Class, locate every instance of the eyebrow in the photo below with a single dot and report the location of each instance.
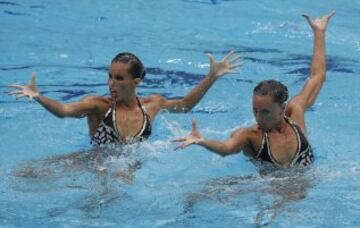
(116, 75)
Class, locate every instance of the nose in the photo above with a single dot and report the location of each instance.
(110, 82)
(257, 115)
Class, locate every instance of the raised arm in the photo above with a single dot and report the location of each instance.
(75, 109)
(237, 141)
(312, 87)
(217, 69)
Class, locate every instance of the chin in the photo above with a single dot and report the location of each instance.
(264, 127)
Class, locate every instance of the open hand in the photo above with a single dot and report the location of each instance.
(229, 64)
(319, 23)
(29, 90)
(193, 138)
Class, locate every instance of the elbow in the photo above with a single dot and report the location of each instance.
(181, 109)
(60, 115)
(62, 112)
(226, 152)
(185, 106)
(320, 77)
(186, 109)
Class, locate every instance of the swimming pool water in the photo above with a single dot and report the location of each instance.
(70, 44)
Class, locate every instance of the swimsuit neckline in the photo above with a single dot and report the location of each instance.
(139, 132)
(267, 141)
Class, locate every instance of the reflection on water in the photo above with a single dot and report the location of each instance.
(90, 205)
(271, 190)
(94, 180)
(105, 164)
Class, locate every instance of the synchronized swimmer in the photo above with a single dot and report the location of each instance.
(277, 137)
(124, 117)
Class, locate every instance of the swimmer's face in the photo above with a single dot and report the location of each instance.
(268, 114)
(121, 83)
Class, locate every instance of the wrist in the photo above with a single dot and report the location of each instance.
(212, 75)
(200, 142)
(36, 96)
(319, 31)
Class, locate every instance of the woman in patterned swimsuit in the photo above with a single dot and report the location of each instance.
(278, 136)
(124, 117)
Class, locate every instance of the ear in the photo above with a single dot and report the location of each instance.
(283, 107)
(137, 81)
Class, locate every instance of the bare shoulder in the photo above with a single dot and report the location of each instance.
(253, 133)
(154, 98)
(295, 111)
(152, 104)
(245, 133)
(98, 101)
(294, 105)
(153, 101)
(243, 139)
(94, 98)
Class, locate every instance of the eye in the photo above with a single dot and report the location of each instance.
(261, 111)
(118, 78)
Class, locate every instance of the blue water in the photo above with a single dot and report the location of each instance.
(70, 44)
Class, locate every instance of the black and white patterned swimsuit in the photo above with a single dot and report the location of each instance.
(303, 156)
(107, 132)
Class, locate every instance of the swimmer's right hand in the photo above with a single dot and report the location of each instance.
(194, 137)
(29, 90)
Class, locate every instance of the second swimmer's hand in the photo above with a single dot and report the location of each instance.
(229, 64)
(194, 137)
(29, 90)
(319, 23)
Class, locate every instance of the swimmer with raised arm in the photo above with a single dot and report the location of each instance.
(278, 136)
(124, 117)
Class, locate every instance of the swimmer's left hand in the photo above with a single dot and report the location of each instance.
(229, 64)
(319, 23)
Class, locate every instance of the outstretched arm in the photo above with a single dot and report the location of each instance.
(236, 142)
(75, 109)
(309, 93)
(217, 69)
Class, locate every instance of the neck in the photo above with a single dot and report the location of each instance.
(281, 126)
(129, 102)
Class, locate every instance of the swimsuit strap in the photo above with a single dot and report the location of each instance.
(106, 132)
(297, 133)
(109, 120)
(270, 155)
(114, 120)
(263, 151)
(108, 111)
(263, 142)
(145, 118)
(304, 156)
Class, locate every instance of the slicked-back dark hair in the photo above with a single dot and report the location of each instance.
(137, 69)
(275, 89)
